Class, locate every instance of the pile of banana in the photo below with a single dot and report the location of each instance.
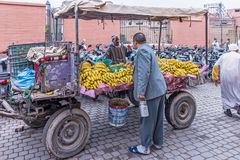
(93, 75)
(190, 68)
(124, 75)
(177, 68)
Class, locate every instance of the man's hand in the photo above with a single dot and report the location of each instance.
(141, 97)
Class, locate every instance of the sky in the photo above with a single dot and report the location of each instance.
(229, 4)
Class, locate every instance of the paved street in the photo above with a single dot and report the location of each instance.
(211, 136)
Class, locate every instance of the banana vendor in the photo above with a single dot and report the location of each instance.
(228, 65)
(115, 44)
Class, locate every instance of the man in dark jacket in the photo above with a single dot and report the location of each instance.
(149, 86)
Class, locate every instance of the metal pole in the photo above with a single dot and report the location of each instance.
(236, 36)
(56, 32)
(206, 36)
(160, 36)
(76, 30)
(77, 58)
(221, 21)
(49, 36)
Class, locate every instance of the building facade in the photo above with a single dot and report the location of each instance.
(189, 32)
(93, 31)
(186, 32)
(26, 22)
(149, 28)
(21, 23)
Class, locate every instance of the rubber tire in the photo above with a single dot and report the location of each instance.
(131, 98)
(35, 123)
(52, 125)
(172, 105)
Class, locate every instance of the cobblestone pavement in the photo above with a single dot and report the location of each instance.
(211, 136)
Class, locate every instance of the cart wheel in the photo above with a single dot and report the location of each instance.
(67, 132)
(180, 110)
(131, 98)
(38, 123)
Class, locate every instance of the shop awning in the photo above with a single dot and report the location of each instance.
(96, 9)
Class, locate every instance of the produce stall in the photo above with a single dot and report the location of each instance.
(54, 105)
(96, 79)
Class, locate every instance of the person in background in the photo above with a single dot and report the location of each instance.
(129, 51)
(226, 45)
(215, 45)
(98, 47)
(228, 65)
(195, 48)
(153, 47)
(83, 45)
(115, 44)
(149, 86)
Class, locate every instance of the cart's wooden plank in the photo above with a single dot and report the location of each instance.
(38, 96)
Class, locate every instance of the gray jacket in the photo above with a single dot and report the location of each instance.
(148, 80)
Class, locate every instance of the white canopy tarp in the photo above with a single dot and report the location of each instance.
(97, 9)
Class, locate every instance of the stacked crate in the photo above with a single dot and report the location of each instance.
(3, 88)
(18, 57)
(57, 73)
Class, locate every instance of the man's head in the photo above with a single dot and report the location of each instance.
(138, 39)
(195, 46)
(83, 41)
(233, 47)
(215, 39)
(115, 40)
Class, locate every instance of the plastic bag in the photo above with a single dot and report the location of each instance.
(25, 79)
(115, 68)
(90, 93)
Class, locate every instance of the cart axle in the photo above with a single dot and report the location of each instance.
(8, 111)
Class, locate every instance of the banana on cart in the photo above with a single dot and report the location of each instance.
(178, 68)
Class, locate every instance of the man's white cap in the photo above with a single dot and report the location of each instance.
(233, 47)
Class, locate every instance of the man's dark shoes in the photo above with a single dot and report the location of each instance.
(228, 113)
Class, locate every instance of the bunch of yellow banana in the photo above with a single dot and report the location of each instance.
(90, 79)
(180, 73)
(101, 68)
(124, 75)
(190, 68)
(177, 68)
(91, 76)
(85, 66)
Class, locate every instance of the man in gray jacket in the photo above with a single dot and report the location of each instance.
(149, 86)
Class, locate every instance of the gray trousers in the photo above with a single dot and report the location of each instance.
(151, 127)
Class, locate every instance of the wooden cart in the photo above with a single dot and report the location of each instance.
(67, 127)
